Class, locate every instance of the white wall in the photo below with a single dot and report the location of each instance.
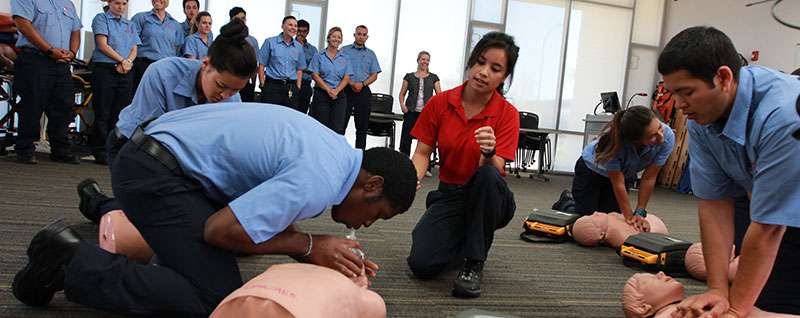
(751, 28)
(5, 6)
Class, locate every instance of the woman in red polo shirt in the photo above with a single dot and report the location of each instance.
(476, 131)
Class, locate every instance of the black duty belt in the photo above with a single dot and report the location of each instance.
(154, 148)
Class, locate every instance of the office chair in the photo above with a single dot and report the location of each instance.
(531, 142)
(382, 127)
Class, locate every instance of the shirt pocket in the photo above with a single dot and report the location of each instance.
(66, 19)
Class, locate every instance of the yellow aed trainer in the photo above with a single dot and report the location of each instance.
(655, 252)
(548, 225)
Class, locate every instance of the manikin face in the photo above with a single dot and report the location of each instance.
(190, 9)
(698, 100)
(290, 27)
(590, 230)
(654, 134)
(335, 39)
(204, 25)
(361, 36)
(488, 71)
(423, 62)
(216, 85)
(160, 4)
(659, 289)
(117, 7)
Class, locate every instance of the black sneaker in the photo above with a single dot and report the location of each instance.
(468, 282)
(26, 158)
(65, 158)
(48, 256)
(88, 191)
(564, 201)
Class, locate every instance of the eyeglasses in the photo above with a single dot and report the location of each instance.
(302, 31)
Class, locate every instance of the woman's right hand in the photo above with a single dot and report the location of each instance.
(332, 93)
(403, 108)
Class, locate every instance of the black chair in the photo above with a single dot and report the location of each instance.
(529, 144)
(382, 126)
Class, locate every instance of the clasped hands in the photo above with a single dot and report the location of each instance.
(334, 253)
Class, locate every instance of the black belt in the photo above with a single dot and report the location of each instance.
(155, 149)
(284, 82)
(308, 82)
(34, 51)
(449, 187)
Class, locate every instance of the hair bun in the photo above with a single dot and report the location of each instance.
(235, 32)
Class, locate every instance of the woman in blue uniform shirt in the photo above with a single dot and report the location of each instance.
(331, 72)
(635, 140)
(116, 43)
(200, 38)
(177, 83)
(161, 36)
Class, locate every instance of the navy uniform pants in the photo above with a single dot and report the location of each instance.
(360, 105)
(44, 86)
(273, 93)
(460, 222)
(111, 92)
(170, 211)
(593, 191)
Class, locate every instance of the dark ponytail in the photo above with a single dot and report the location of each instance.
(230, 52)
(628, 124)
(497, 40)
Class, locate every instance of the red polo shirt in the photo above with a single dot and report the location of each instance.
(443, 120)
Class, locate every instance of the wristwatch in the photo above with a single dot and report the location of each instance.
(129, 61)
(364, 83)
(50, 51)
(490, 153)
(641, 212)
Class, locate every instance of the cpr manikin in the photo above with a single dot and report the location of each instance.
(657, 295)
(119, 236)
(611, 228)
(696, 265)
(301, 290)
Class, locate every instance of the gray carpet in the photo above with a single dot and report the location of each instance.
(523, 279)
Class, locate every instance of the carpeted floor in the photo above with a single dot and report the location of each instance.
(522, 279)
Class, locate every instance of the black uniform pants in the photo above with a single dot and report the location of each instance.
(460, 222)
(139, 66)
(781, 294)
(360, 105)
(328, 111)
(170, 211)
(111, 92)
(593, 191)
(409, 120)
(304, 101)
(273, 93)
(44, 86)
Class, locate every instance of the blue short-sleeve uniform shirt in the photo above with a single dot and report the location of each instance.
(281, 61)
(252, 40)
(308, 51)
(159, 38)
(754, 147)
(331, 71)
(627, 159)
(260, 161)
(121, 36)
(54, 20)
(167, 85)
(196, 47)
(364, 60)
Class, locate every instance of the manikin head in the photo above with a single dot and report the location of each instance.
(696, 264)
(590, 230)
(644, 294)
(301, 290)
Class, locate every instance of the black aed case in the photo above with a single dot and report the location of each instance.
(549, 225)
(655, 252)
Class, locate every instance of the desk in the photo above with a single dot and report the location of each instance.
(392, 116)
(539, 130)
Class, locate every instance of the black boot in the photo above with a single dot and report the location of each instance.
(564, 200)
(49, 253)
(88, 191)
(468, 282)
